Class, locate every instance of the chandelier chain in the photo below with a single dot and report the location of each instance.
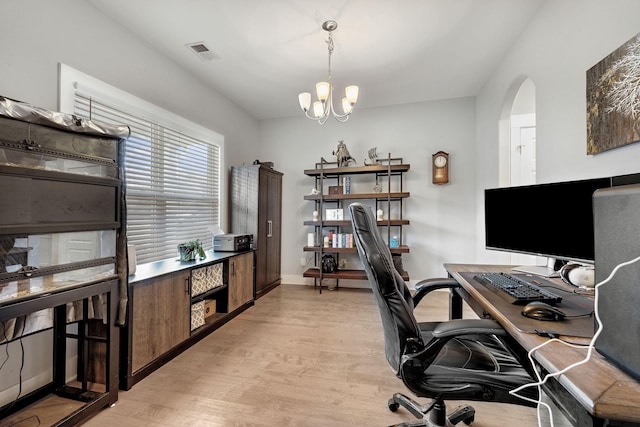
(330, 47)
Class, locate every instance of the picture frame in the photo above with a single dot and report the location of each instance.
(335, 189)
(334, 215)
(612, 101)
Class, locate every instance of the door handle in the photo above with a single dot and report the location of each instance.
(269, 228)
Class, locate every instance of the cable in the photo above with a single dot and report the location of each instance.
(590, 347)
(6, 344)
(575, 316)
(20, 372)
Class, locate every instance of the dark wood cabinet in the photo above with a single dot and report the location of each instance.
(240, 280)
(166, 304)
(160, 311)
(256, 209)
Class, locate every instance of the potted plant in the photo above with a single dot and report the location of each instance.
(191, 250)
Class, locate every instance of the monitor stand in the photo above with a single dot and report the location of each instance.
(545, 271)
(537, 270)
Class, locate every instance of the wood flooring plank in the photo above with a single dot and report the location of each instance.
(296, 358)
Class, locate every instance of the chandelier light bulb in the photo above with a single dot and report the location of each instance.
(318, 109)
(322, 90)
(305, 101)
(323, 108)
(352, 94)
(346, 106)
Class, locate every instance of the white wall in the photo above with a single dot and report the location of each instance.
(566, 38)
(442, 217)
(36, 36)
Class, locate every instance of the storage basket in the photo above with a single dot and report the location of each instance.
(206, 278)
(197, 315)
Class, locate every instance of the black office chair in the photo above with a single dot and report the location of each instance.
(468, 359)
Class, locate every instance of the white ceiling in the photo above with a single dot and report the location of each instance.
(398, 52)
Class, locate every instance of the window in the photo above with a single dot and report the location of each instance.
(172, 176)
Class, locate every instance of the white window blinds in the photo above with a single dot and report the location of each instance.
(172, 182)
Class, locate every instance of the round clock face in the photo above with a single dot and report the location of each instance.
(440, 161)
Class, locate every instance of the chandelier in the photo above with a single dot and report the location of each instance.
(323, 107)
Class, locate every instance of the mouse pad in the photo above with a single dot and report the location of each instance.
(572, 305)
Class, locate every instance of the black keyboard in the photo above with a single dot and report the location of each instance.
(516, 290)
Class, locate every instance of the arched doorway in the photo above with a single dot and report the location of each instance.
(522, 147)
(517, 142)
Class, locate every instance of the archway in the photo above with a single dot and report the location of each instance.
(517, 142)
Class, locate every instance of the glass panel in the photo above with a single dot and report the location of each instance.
(48, 250)
(35, 160)
(26, 288)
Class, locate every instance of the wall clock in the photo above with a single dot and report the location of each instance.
(440, 167)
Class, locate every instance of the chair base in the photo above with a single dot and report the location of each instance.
(432, 415)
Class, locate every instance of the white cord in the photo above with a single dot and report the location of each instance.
(590, 347)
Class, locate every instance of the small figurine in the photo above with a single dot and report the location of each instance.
(342, 155)
(373, 156)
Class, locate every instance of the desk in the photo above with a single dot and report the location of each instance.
(593, 394)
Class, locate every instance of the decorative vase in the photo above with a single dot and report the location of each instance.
(191, 250)
(186, 253)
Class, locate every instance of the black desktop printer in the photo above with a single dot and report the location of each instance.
(232, 242)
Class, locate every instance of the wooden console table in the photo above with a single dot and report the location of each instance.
(161, 304)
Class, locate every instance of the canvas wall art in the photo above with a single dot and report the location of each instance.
(613, 99)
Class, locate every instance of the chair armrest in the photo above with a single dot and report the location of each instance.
(418, 355)
(425, 286)
(458, 327)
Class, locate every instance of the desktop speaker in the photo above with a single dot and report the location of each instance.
(616, 231)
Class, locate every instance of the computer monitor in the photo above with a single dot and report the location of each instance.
(550, 220)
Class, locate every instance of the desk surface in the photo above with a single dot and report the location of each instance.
(603, 390)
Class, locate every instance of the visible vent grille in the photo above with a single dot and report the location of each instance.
(203, 52)
(200, 48)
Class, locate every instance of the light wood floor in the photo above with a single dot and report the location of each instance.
(296, 358)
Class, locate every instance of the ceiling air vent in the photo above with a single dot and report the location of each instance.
(203, 52)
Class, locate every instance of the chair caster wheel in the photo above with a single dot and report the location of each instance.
(393, 405)
(466, 414)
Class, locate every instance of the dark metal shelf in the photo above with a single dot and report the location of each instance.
(341, 274)
(352, 196)
(357, 170)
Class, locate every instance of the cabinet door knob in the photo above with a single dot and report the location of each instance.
(269, 228)
(186, 286)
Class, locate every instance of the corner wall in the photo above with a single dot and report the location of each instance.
(442, 216)
(565, 39)
(39, 34)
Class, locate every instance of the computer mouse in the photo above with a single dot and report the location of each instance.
(542, 311)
